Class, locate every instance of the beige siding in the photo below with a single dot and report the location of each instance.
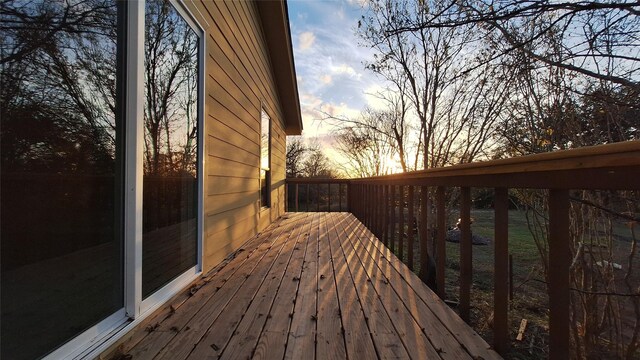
(238, 82)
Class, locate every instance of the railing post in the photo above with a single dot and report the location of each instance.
(297, 198)
(286, 196)
(424, 235)
(329, 196)
(401, 224)
(559, 278)
(410, 228)
(441, 256)
(339, 197)
(308, 196)
(318, 197)
(501, 272)
(465, 253)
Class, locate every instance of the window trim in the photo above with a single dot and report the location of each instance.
(264, 113)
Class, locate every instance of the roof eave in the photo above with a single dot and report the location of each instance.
(275, 22)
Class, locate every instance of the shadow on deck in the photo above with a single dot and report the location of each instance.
(312, 285)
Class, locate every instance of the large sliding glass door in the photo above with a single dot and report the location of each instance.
(170, 206)
(65, 131)
(61, 172)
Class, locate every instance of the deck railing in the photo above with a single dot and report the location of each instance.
(317, 194)
(381, 203)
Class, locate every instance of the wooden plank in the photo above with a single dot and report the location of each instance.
(357, 336)
(230, 184)
(302, 336)
(248, 331)
(218, 166)
(221, 147)
(559, 278)
(256, 67)
(223, 327)
(231, 223)
(172, 334)
(413, 320)
(465, 253)
(218, 203)
(441, 248)
(386, 339)
(440, 337)
(418, 291)
(330, 342)
(177, 310)
(501, 272)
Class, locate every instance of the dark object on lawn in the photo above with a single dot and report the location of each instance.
(453, 235)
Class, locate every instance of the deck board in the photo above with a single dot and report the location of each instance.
(312, 285)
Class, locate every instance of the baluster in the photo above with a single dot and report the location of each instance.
(329, 195)
(441, 256)
(392, 232)
(465, 253)
(308, 196)
(410, 223)
(424, 234)
(401, 224)
(318, 197)
(501, 272)
(339, 197)
(297, 198)
(559, 260)
(385, 221)
(375, 206)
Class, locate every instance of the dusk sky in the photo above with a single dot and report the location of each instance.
(330, 64)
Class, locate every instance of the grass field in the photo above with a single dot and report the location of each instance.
(530, 300)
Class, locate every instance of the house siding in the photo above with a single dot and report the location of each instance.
(238, 82)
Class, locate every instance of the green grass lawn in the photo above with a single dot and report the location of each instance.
(530, 299)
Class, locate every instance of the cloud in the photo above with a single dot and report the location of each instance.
(344, 69)
(306, 40)
(326, 79)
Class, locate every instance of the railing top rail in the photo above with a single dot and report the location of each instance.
(317, 181)
(611, 166)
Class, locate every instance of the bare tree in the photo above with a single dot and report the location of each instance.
(296, 150)
(595, 35)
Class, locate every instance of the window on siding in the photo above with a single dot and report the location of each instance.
(265, 159)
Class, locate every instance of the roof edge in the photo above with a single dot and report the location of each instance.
(275, 22)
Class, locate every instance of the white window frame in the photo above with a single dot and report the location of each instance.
(92, 342)
(264, 207)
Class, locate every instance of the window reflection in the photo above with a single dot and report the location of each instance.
(265, 159)
(60, 172)
(171, 146)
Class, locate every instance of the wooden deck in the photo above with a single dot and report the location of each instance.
(313, 285)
